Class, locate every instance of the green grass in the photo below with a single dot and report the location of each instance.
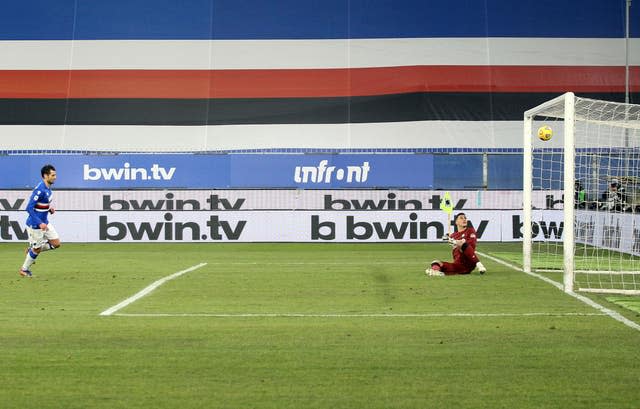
(548, 255)
(527, 346)
(631, 303)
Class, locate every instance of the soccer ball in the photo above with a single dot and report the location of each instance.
(545, 133)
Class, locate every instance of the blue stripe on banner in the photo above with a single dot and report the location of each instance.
(311, 19)
(319, 171)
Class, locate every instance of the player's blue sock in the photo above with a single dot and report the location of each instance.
(29, 259)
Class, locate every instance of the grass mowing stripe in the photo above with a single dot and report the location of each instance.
(296, 315)
(149, 289)
(616, 316)
(630, 303)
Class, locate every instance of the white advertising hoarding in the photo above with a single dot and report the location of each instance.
(276, 226)
(306, 216)
(285, 199)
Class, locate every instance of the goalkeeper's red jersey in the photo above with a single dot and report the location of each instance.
(469, 234)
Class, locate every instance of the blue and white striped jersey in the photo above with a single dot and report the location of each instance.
(38, 206)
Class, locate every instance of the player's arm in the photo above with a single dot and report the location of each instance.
(470, 239)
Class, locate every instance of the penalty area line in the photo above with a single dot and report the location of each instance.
(149, 289)
(312, 315)
(613, 314)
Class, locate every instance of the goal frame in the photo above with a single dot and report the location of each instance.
(569, 174)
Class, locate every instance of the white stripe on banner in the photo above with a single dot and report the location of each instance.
(389, 135)
(274, 54)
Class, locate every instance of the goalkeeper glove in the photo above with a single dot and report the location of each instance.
(449, 239)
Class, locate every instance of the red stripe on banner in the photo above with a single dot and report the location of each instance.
(282, 83)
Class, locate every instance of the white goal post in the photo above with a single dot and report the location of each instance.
(589, 171)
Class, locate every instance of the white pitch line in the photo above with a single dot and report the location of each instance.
(613, 314)
(408, 315)
(148, 289)
(307, 263)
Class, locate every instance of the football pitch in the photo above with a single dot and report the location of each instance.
(301, 326)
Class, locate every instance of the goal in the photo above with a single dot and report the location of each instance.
(581, 194)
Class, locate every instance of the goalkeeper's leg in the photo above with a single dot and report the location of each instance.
(454, 268)
(471, 259)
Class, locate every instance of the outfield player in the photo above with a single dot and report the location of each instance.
(42, 234)
(465, 259)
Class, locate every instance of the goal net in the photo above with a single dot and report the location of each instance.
(581, 193)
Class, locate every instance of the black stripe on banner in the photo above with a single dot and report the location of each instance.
(368, 109)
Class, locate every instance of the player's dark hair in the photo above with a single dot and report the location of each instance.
(46, 169)
(456, 216)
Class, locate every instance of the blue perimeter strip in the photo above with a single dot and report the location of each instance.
(302, 151)
(312, 19)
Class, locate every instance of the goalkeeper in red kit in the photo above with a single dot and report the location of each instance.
(465, 259)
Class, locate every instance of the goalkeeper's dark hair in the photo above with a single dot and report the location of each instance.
(46, 169)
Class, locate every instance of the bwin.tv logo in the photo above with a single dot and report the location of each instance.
(127, 172)
(325, 174)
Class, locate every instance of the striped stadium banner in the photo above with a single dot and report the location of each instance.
(222, 74)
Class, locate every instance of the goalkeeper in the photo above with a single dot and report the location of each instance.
(463, 241)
